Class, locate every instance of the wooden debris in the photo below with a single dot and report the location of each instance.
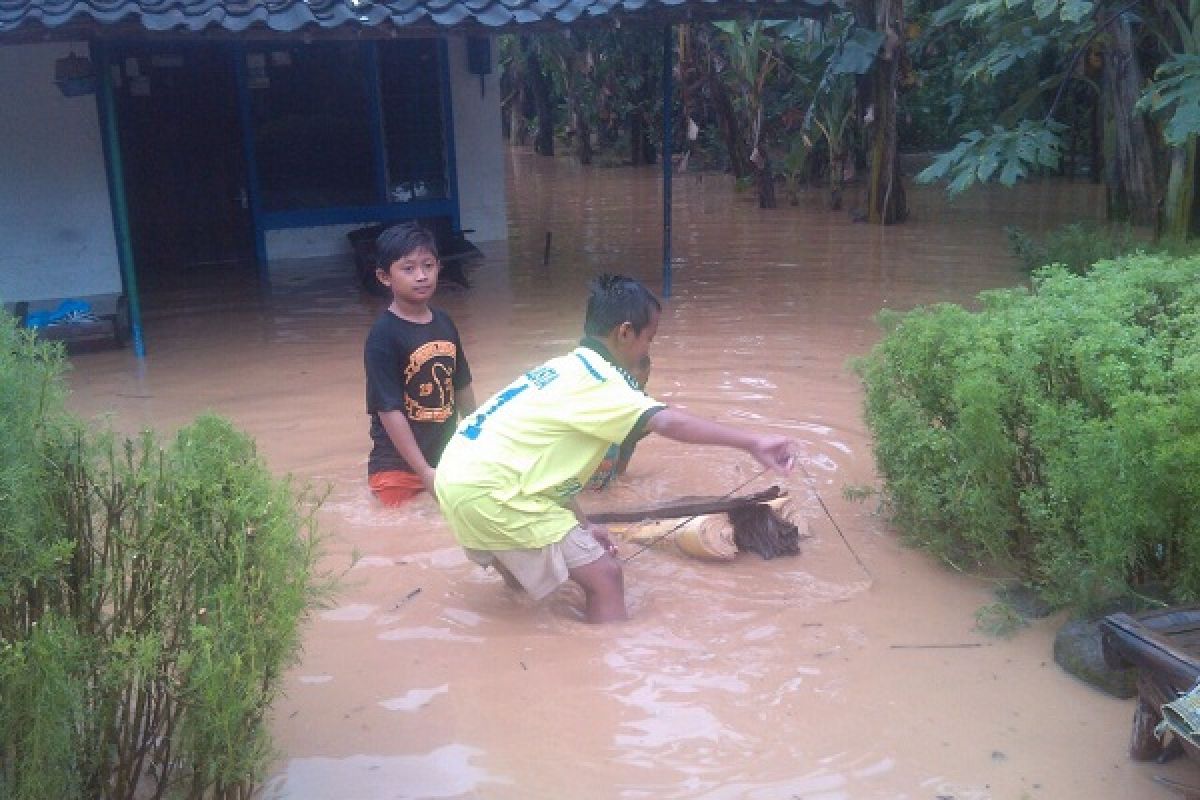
(692, 507)
(714, 530)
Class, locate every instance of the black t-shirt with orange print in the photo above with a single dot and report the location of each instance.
(415, 368)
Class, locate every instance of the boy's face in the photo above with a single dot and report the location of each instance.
(642, 373)
(413, 278)
(632, 349)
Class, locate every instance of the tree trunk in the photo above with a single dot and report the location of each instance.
(641, 146)
(727, 119)
(636, 151)
(766, 178)
(539, 89)
(1132, 184)
(837, 178)
(1181, 191)
(578, 74)
(886, 200)
(583, 136)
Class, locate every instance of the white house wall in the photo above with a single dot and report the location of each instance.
(56, 227)
(478, 146)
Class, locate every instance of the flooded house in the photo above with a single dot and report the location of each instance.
(209, 141)
(143, 144)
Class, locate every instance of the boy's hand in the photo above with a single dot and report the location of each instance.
(776, 452)
(601, 535)
(427, 475)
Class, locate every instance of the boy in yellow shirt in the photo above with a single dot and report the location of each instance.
(508, 478)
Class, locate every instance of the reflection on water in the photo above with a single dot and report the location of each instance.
(444, 772)
(414, 699)
(766, 680)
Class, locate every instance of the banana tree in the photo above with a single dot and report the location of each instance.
(833, 112)
(847, 51)
(1162, 34)
(753, 58)
(1175, 95)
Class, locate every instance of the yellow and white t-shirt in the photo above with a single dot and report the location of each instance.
(510, 467)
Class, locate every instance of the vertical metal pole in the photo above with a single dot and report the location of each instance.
(668, 57)
(375, 115)
(107, 109)
(253, 188)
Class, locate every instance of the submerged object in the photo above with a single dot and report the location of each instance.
(708, 537)
(764, 529)
(759, 524)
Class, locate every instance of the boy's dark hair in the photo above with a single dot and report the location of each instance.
(401, 240)
(614, 299)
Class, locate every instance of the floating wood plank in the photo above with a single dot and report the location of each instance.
(1126, 639)
(690, 508)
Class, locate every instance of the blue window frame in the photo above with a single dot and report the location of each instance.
(311, 122)
(347, 132)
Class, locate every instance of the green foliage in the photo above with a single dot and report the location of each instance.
(1004, 55)
(938, 105)
(41, 696)
(147, 647)
(32, 423)
(1056, 432)
(857, 52)
(857, 493)
(1076, 246)
(1066, 10)
(1003, 154)
(999, 619)
(1175, 93)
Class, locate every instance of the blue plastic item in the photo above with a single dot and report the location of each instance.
(68, 311)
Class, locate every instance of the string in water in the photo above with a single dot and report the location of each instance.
(725, 496)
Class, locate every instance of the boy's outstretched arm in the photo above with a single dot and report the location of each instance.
(464, 401)
(400, 432)
(771, 450)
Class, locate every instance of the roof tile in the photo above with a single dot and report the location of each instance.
(23, 16)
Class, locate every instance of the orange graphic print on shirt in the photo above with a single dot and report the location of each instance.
(429, 382)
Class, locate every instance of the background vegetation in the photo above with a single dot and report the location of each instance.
(150, 596)
(998, 90)
(1055, 432)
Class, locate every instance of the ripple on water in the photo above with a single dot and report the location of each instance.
(414, 699)
(427, 633)
(444, 772)
(366, 562)
(354, 612)
(830, 779)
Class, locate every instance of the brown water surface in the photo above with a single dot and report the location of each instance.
(796, 678)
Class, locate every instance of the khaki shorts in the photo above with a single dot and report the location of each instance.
(542, 570)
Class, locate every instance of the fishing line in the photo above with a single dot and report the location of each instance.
(725, 496)
(812, 488)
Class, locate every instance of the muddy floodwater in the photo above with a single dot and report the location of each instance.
(808, 677)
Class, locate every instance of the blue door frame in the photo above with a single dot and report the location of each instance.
(380, 211)
(262, 221)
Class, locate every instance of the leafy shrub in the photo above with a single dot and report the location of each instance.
(999, 619)
(1057, 431)
(151, 597)
(1076, 246)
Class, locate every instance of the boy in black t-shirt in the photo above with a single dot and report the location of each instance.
(418, 379)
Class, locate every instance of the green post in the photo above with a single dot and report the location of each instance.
(106, 107)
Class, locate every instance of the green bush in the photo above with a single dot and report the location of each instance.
(1056, 431)
(1079, 245)
(152, 595)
